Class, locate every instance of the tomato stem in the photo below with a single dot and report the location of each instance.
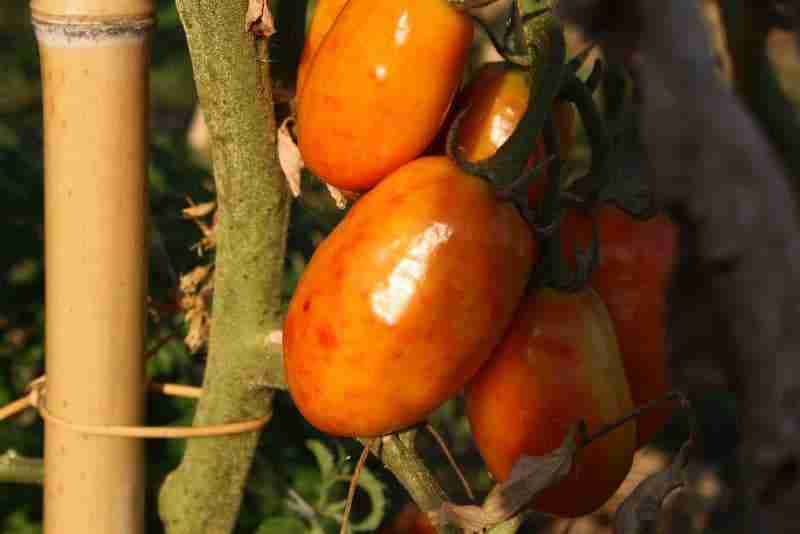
(446, 450)
(546, 50)
(505, 47)
(672, 396)
(463, 5)
(578, 93)
(351, 490)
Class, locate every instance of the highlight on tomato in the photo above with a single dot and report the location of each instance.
(379, 87)
(558, 363)
(497, 97)
(405, 300)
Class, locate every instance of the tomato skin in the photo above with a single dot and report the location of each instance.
(636, 261)
(405, 300)
(325, 14)
(379, 88)
(558, 363)
(497, 97)
(410, 520)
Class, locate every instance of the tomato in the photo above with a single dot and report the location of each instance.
(497, 97)
(325, 14)
(558, 363)
(636, 261)
(404, 300)
(410, 520)
(379, 87)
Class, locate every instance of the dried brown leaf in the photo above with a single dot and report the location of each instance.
(338, 196)
(259, 19)
(196, 291)
(191, 280)
(195, 211)
(199, 330)
(290, 158)
(639, 513)
(529, 476)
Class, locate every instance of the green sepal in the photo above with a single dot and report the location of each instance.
(547, 51)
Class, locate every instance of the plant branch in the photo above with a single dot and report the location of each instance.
(399, 455)
(233, 83)
(16, 469)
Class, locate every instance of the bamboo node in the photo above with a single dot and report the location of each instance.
(37, 395)
(72, 33)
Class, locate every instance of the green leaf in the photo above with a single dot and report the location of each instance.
(375, 491)
(325, 459)
(282, 525)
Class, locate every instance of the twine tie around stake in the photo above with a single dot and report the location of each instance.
(37, 396)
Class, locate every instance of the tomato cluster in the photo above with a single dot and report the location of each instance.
(423, 290)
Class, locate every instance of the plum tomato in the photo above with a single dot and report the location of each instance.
(405, 300)
(325, 14)
(379, 87)
(558, 363)
(497, 98)
(409, 520)
(636, 261)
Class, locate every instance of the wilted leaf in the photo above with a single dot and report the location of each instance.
(196, 289)
(198, 137)
(274, 338)
(199, 210)
(337, 196)
(259, 19)
(289, 157)
(638, 514)
(529, 476)
(191, 280)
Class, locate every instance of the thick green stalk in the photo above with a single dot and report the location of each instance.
(231, 71)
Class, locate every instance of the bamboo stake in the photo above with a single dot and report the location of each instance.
(94, 58)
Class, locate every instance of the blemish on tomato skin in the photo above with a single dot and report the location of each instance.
(327, 337)
(307, 305)
(338, 274)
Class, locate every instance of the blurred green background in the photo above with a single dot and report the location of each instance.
(286, 470)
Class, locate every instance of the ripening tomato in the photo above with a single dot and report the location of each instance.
(404, 300)
(409, 520)
(558, 363)
(636, 262)
(497, 97)
(379, 88)
(325, 14)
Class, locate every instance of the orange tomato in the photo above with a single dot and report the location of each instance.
(325, 14)
(379, 87)
(409, 520)
(497, 97)
(404, 300)
(636, 262)
(558, 363)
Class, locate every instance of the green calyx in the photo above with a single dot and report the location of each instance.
(546, 50)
